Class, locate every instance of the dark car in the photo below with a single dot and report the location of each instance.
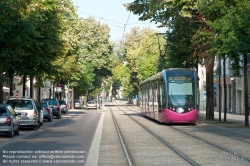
(47, 110)
(64, 106)
(54, 104)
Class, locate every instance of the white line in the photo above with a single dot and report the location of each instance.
(92, 159)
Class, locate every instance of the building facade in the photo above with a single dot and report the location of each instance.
(234, 90)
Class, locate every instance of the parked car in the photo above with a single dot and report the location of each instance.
(54, 104)
(47, 110)
(9, 120)
(30, 115)
(92, 104)
(64, 106)
(78, 104)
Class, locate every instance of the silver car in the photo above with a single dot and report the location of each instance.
(30, 115)
(47, 110)
(78, 104)
(64, 106)
(9, 121)
(92, 104)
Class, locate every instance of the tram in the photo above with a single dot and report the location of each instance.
(170, 96)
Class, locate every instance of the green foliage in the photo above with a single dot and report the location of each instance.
(30, 36)
(230, 23)
(141, 53)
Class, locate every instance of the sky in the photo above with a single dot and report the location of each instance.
(114, 14)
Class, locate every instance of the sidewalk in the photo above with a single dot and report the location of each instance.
(230, 117)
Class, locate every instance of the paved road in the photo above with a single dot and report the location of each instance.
(65, 141)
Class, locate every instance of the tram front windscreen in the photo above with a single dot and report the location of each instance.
(181, 90)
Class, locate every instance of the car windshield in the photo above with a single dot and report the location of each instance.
(23, 104)
(44, 105)
(51, 102)
(62, 102)
(3, 111)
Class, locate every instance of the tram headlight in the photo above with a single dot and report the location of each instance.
(180, 110)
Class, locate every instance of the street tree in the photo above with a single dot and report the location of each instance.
(231, 26)
(168, 14)
(140, 58)
(30, 36)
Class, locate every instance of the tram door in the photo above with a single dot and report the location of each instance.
(161, 100)
(155, 100)
(146, 99)
(150, 101)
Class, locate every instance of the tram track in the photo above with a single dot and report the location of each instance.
(232, 154)
(125, 148)
(221, 149)
(231, 135)
(129, 155)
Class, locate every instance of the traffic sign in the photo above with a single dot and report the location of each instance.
(102, 94)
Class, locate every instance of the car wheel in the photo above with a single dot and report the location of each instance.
(50, 118)
(17, 131)
(11, 133)
(35, 127)
(58, 116)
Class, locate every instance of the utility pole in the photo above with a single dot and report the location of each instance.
(219, 68)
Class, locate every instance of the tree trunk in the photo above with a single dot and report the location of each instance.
(246, 91)
(1, 87)
(39, 94)
(86, 99)
(50, 90)
(24, 84)
(224, 89)
(31, 86)
(53, 90)
(209, 63)
(11, 76)
(219, 86)
(73, 98)
(11, 84)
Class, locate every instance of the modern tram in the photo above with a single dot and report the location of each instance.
(171, 96)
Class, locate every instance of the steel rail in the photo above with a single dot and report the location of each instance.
(125, 149)
(185, 157)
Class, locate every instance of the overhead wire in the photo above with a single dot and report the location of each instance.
(125, 26)
(112, 20)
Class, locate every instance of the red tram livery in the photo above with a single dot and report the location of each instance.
(171, 96)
